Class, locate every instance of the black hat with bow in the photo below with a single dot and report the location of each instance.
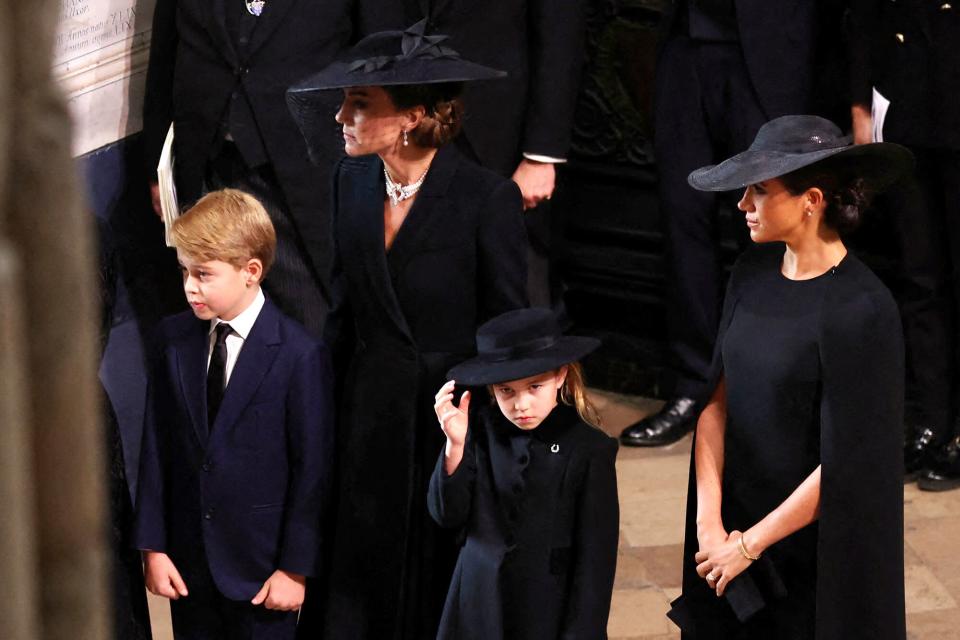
(395, 57)
(381, 59)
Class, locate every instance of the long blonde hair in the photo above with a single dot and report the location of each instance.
(574, 393)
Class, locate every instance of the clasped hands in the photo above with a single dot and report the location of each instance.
(283, 591)
(719, 559)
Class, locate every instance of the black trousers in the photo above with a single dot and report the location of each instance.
(292, 283)
(926, 211)
(706, 110)
(206, 615)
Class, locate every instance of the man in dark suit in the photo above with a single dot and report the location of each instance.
(519, 126)
(725, 67)
(235, 468)
(905, 55)
(218, 70)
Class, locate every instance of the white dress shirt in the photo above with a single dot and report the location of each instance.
(241, 326)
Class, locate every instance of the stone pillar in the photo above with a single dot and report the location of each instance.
(52, 585)
(17, 554)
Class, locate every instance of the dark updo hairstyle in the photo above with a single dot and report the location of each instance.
(444, 116)
(845, 193)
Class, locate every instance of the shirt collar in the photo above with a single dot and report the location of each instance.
(243, 323)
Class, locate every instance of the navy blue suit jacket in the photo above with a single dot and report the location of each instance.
(247, 498)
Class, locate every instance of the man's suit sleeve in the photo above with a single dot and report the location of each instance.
(859, 25)
(556, 41)
(310, 433)
(150, 528)
(502, 252)
(158, 98)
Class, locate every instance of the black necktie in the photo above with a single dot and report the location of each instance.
(217, 373)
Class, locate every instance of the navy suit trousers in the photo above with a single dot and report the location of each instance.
(205, 614)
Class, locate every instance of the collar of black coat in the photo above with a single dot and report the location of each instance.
(549, 431)
(438, 179)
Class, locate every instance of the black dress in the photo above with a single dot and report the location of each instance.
(400, 320)
(541, 517)
(814, 376)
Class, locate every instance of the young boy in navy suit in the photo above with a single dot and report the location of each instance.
(236, 455)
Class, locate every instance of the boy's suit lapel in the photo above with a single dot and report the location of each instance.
(427, 212)
(192, 351)
(259, 351)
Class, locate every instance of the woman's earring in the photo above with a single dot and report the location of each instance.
(406, 140)
(809, 213)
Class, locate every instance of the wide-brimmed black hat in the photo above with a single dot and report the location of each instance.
(385, 58)
(396, 57)
(519, 344)
(789, 143)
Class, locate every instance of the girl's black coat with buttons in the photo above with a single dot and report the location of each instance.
(540, 512)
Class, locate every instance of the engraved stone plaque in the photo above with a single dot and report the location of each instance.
(100, 59)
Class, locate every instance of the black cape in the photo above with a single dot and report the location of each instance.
(814, 376)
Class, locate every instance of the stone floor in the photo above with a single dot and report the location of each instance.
(653, 486)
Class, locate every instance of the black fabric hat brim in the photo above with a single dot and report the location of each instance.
(880, 164)
(338, 75)
(482, 371)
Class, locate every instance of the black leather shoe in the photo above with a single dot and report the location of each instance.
(668, 425)
(945, 474)
(918, 451)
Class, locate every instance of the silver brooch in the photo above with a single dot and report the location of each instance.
(255, 7)
(554, 448)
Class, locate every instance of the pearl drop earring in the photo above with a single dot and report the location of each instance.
(406, 140)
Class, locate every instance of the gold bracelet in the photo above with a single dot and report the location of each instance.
(744, 552)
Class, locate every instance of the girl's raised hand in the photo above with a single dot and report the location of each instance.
(453, 420)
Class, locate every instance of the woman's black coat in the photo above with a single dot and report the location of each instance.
(400, 320)
(541, 517)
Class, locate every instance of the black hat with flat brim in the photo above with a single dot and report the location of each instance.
(387, 58)
(788, 143)
(519, 344)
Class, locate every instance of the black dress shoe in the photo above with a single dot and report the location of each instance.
(945, 474)
(668, 425)
(918, 451)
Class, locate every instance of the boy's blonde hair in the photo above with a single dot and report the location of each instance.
(227, 225)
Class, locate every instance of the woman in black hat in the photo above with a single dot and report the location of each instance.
(427, 247)
(795, 509)
(533, 486)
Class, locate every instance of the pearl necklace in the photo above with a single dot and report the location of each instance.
(398, 192)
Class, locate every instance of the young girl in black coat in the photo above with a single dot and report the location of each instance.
(533, 486)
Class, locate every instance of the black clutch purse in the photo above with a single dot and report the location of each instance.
(747, 594)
